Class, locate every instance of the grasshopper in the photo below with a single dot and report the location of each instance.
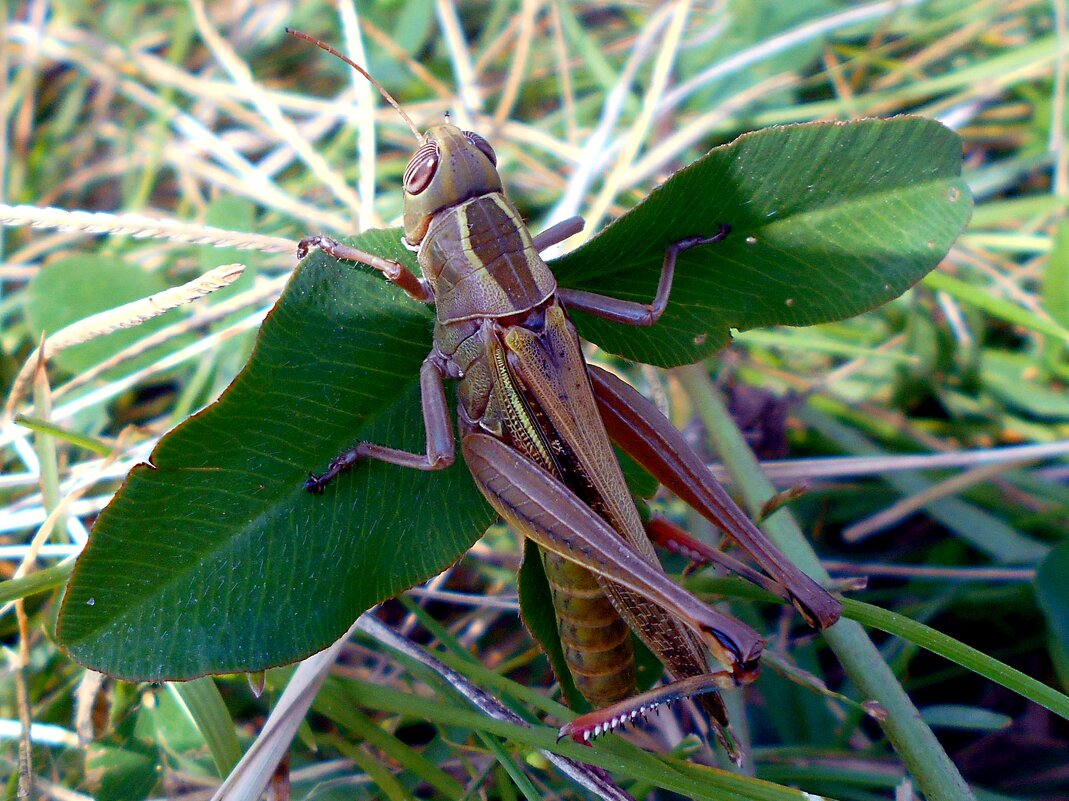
(536, 423)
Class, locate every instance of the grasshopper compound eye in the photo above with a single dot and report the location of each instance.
(483, 146)
(421, 168)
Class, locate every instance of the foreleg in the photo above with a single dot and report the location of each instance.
(394, 271)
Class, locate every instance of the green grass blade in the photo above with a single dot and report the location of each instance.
(208, 712)
(959, 652)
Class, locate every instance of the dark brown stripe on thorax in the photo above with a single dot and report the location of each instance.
(481, 259)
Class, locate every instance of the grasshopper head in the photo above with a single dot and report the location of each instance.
(449, 167)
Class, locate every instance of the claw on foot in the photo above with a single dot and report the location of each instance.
(341, 463)
(698, 241)
(719, 236)
(314, 242)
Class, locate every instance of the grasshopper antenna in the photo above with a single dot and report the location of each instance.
(382, 89)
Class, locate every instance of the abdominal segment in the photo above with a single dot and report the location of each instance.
(595, 639)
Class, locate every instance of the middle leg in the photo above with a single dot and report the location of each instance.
(441, 447)
(627, 311)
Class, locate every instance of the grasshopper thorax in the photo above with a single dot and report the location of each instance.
(449, 167)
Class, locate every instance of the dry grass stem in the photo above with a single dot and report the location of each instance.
(141, 227)
(126, 316)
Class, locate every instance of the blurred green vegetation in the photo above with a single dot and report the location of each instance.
(215, 117)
